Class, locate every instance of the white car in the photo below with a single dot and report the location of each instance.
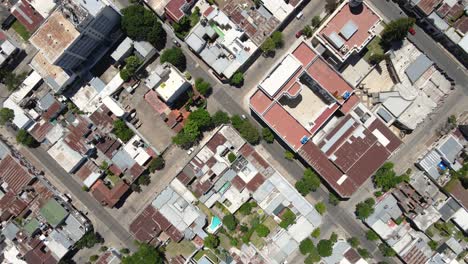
(190, 150)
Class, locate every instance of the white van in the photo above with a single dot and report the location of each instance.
(299, 15)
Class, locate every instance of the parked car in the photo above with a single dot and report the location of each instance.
(412, 31)
(299, 15)
(299, 34)
(190, 150)
(176, 43)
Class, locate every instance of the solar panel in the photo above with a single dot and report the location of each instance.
(336, 40)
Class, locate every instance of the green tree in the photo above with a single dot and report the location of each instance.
(124, 251)
(220, 118)
(432, 244)
(211, 241)
(268, 46)
(202, 118)
(277, 38)
(131, 65)
(288, 155)
(139, 23)
(145, 254)
(174, 56)
(333, 237)
(248, 131)
(306, 246)
(144, 179)
(25, 139)
(321, 207)
(125, 74)
(397, 30)
(313, 257)
(316, 21)
(122, 131)
(354, 242)
(364, 253)
(386, 178)
(332, 199)
(93, 258)
(202, 87)
(302, 187)
(365, 209)
(307, 31)
(188, 136)
(103, 248)
(88, 240)
(267, 135)
(312, 180)
(386, 250)
(246, 208)
(325, 248)
(11, 80)
(230, 222)
(156, 163)
(288, 218)
(262, 230)
(237, 79)
(316, 233)
(6, 115)
(231, 157)
(371, 235)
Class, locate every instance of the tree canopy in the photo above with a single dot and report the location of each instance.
(211, 241)
(371, 235)
(316, 233)
(122, 131)
(202, 87)
(202, 118)
(309, 183)
(230, 222)
(220, 118)
(386, 250)
(247, 130)
(267, 135)
(262, 230)
(25, 139)
(277, 38)
(397, 30)
(174, 56)
(321, 207)
(288, 218)
(365, 209)
(89, 239)
(306, 246)
(157, 163)
(146, 254)
(307, 31)
(6, 115)
(386, 178)
(325, 248)
(11, 80)
(237, 79)
(364, 253)
(139, 23)
(131, 65)
(268, 46)
(354, 242)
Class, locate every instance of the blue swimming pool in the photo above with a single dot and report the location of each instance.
(214, 225)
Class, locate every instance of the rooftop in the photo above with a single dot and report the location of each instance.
(14, 175)
(27, 15)
(174, 9)
(348, 30)
(54, 36)
(65, 155)
(53, 212)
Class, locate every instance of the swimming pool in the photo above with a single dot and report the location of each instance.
(214, 225)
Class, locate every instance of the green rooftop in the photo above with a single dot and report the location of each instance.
(31, 226)
(53, 212)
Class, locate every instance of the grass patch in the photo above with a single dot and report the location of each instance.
(451, 184)
(184, 248)
(374, 47)
(114, 179)
(224, 241)
(21, 30)
(270, 223)
(208, 253)
(257, 241)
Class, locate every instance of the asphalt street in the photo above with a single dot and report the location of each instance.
(91, 204)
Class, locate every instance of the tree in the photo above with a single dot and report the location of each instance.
(277, 38)
(333, 237)
(267, 135)
(371, 235)
(262, 230)
(432, 244)
(246, 208)
(363, 252)
(202, 87)
(316, 233)
(188, 136)
(230, 222)
(354, 242)
(268, 46)
(88, 240)
(331, 5)
(307, 31)
(306, 246)
(211, 241)
(25, 139)
(309, 183)
(452, 120)
(140, 23)
(387, 251)
(202, 118)
(288, 218)
(320, 207)
(131, 65)
(174, 56)
(145, 254)
(332, 199)
(288, 155)
(103, 248)
(365, 209)
(231, 157)
(325, 248)
(124, 251)
(302, 187)
(11, 80)
(316, 21)
(313, 257)
(93, 258)
(122, 131)
(157, 163)
(6, 115)
(144, 179)
(237, 79)
(220, 118)
(397, 30)
(386, 178)
(125, 75)
(248, 131)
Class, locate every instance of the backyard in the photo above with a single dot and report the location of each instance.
(374, 48)
(21, 30)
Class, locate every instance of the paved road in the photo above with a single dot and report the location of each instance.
(91, 204)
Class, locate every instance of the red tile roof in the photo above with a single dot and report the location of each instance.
(52, 111)
(40, 130)
(238, 183)
(427, 6)
(256, 181)
(289, 129)
(328, 78)
(260, 102)
(12, 204)
(27, 16)
(304, 54)
(106, 196)
(174, 9)
(462, 24)
(152, 99)
(86, 169)
(13, 174)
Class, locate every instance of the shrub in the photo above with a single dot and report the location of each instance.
(432, 244)
(332, 199)
(354, 242)
(325, 248)
(122, 131)
(371, 235)
(84, 188)
(364, 253)
(6, 115)
(124, 251)
(316, 233)
(246, 208)
(211, 241)
(288, 218)
(88, 240)
(267, 135)
(386, 250)
(288, 155)
(316, 21)
(307, 31)
(231, 157)
(237, 79)
(262, 230)
(333, 237)
(320, 207)
(146, 254)
(93, 258)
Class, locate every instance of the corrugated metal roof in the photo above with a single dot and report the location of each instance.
(418, 67)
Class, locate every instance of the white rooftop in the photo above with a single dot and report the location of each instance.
(43, 7)
(28, 84)
(21, 119)
(279, 8)
(171, 86)
(65, 156)
(113, 106)
(280, 75)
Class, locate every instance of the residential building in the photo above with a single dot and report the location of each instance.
(7, 49)
(175, 10)
(344, 253)
(31, 13)
(348, 30)
(315, 112)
